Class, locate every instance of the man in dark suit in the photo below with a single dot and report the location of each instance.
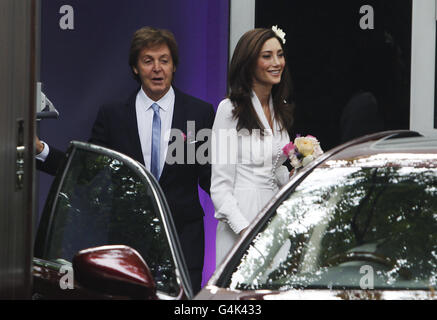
(140, 128)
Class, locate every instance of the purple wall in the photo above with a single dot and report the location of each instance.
(84, 68)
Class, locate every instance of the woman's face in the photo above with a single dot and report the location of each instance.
(270, 64)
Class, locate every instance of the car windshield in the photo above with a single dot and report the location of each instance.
(351, 227)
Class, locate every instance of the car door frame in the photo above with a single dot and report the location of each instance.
(48, 274)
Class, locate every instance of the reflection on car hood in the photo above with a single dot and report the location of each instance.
(215, 293)
(386, 160)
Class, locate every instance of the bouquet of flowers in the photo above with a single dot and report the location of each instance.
(303, 150)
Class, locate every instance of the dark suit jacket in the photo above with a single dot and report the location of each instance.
(116, 128)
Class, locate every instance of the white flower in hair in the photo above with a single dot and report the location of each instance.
(279, 33)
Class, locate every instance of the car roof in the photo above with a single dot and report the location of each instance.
(408, 143)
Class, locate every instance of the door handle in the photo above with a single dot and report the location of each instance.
(19, 162)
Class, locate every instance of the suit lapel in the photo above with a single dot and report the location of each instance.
(132, 129)
(179, 114)
(178, 122)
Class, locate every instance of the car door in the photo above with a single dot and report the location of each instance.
(100, 198)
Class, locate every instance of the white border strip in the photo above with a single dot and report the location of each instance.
(242, 19)
(423, 67)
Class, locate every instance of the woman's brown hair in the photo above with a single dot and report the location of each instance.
(241, 75)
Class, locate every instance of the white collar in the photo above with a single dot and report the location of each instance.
(164, 103)
(259, 110)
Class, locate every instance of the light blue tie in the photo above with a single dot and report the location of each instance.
(156, 142)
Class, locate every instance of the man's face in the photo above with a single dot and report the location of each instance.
(155, 68)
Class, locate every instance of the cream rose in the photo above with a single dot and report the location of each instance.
(305, 145)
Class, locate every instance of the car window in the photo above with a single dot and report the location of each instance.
(104, 201)
(348, 227)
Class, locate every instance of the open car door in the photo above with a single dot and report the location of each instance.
(106, 232)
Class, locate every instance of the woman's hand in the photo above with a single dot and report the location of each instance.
(242, 232)
(292, 172)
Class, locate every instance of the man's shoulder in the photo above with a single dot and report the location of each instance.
(115, 105)
(194, 102)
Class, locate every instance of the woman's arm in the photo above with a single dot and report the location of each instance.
(224, 149)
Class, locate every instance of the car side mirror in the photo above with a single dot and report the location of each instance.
(114, 270)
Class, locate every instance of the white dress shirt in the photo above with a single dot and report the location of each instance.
(144, 112)
(42, 156)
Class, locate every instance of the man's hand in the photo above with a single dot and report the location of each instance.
(39, 145)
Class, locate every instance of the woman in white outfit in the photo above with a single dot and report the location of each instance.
(250, 129)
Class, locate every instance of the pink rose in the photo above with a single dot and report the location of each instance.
(288, 149)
